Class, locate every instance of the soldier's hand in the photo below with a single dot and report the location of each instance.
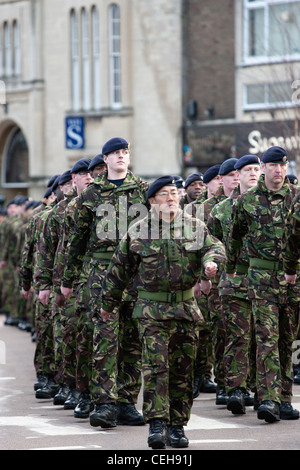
(66, 292)
(26, 294)
(291, 278)
(60, 300)
(197, 291)
(205, 286)
(44, 296)
(104, 314)
(210, 269)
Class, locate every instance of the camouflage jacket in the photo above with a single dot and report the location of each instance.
(162, 265)
(48, 242)
(219, 223)
(28, 260)
(291, 255)
(101, 217)
(259, 222)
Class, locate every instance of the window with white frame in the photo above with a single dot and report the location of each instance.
(115, 56)
(268, 95)
(75, 62)
(7, 50)
(16, 53)
(96, 58)
(85, 48)
(271, 29)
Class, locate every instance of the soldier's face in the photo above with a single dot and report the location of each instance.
(195, 189)
(66, 187)
(82, 180)
(249, 175)
(231, 180)
(166, 201)
(214, 184)
(117, 161)
(275, 174)
(98, 170)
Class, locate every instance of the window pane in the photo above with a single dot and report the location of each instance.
(284, 29)
(256, 32)
(280, 92)
(255, 94)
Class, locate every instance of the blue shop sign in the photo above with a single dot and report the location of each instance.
(75, 133)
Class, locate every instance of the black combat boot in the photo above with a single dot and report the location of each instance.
(197, 384)
(84, 407)
(129, 415)
(105, 415)
(176, 437)
(287, 411)
(157, 431)
(236, 402)
(72, 399)
(49, 390)
(269, 411)
(61, 396)
(41, 382)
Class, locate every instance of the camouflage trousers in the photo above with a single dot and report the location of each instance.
(276, 327)
(44, 357)
(169, 351)
(10, 291)
(117, 356)
(240, 348)
(205, 355)
(65, 341)
(218, 328)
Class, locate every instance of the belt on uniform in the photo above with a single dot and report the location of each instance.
(242, 269)
(264, 264)
(171, 297)
(102, 256)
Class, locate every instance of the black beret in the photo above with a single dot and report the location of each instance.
(227, 166)
(178, 181)
(82, 166)
(11, 203)
(275, 154)
(193, 177)
(211, 173)
(55, 184)
(30, 204)
(292, 179)
(97, 161)
(3, 212)
(19, 200)
(116, 143)
(48, 192)
(159, 183)
(247, 160)
(65, 177)
(51, 181)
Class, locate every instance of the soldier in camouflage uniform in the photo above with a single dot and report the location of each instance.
(240, 350)
(165, 265)
(100, 219)
(205, 358)
(194, 189)
(259, 220)
(45, 256)
(44, 367)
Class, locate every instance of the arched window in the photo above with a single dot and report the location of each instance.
(16, 45)
(115, 55)
(86, 85)
(96, 58)
(75, 62)
(15, 161)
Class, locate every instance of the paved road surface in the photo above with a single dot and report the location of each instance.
(30, 424)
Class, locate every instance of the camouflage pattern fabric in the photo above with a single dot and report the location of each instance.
(259, 219)
(160, 267)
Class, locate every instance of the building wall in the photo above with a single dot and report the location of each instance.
(40, 99)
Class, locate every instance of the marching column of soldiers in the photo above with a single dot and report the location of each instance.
(170, 288)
